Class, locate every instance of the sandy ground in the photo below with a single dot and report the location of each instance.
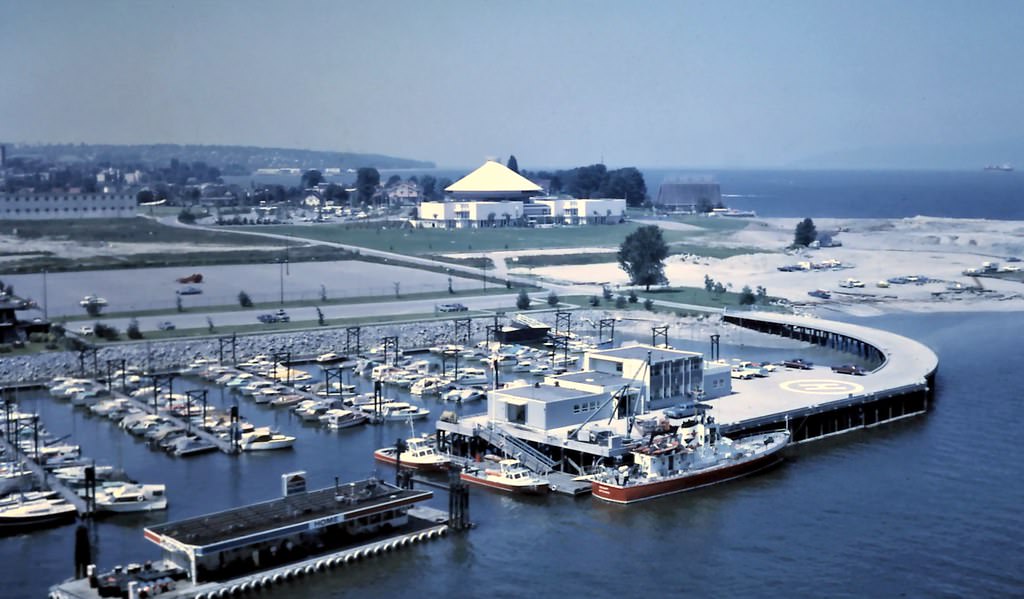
(873, 250)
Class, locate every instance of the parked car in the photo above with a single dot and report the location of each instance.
(848, 369)
(166, 326)
(452, 308)
(798, 364)
(272, 317)
(86, 330)
(190, 290)
(684, 410)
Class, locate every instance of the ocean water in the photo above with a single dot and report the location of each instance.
(928, 507)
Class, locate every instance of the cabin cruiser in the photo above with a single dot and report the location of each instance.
(510, 476)
(428, 385)
(189, 445)
(396, 411)
(337, 419)
(130, 497)
(264, 439)
(420, 454)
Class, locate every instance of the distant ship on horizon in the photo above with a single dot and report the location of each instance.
(998, 167)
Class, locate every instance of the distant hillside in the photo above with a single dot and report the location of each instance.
(230, 159)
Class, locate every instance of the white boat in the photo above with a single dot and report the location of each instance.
(187, 445)
(14, 476)
(264, 439)
(522, 366)
(130, 497)
(396, 411)
(420, 454)
(329, 358)
(337, 419)
(77, 473)
(428, 385)
(37, 513)
(511, 476)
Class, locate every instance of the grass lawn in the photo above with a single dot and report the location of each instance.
(696, 296)
(127, 230)
(433, 241)
(196, 257)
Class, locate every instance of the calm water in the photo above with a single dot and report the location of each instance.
(928, 507)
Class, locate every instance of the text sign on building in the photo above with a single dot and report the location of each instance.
(293, 483)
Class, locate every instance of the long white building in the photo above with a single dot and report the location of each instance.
(54, 205)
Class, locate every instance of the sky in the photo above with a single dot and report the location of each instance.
(649, 84)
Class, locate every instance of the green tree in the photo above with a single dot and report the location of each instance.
(762, 294)
(642, 255)
(747, 297)
(627, 183)
(632, 296)
(523, 300)
(428, 185)
(132, 330)
(244, 300)
(311, 178)
(553, 299)
(513, 164)
(367, 180)
(649, 305)
(392, 180)
(805, 233)
(620, 302)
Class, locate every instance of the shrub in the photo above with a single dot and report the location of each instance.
(38, 337)
(133, 331)
(594, 301)
(649, 304)
(620, 302)
(606, 291)
(106, 331)
(244, 300)
(632, 296)
(186, 217)
(552, 299)
(5, 348)
(523, 300)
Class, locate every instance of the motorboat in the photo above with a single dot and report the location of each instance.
(337, 419)
(189, 445)
(287, 399)
(264, 439)
(511, 476)
(420, 454)
(396, 411)
(428, 385)
(35, 513)
(130, 497)
(691, 458)
(329, 358)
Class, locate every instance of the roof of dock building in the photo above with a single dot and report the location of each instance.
(639, 352)
(544, 393)
(241, 526)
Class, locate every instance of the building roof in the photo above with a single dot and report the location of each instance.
(286, 515)
(639, 352)
(590, 377)
(542, 393)
(493, 177)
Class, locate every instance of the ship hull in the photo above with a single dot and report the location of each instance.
(389, 458)
(633, 493)
(531, 489)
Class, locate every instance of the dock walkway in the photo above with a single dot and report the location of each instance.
(200, 432)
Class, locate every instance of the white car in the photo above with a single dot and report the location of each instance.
(86, 330)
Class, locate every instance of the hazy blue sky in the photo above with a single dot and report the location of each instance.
(670, 83)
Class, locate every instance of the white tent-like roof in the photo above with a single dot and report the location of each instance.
(493, 177)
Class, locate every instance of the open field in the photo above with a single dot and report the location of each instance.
(126, 230)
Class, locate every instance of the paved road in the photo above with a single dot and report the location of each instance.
(197, 318)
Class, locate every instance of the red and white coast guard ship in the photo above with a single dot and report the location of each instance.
(694, 457)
